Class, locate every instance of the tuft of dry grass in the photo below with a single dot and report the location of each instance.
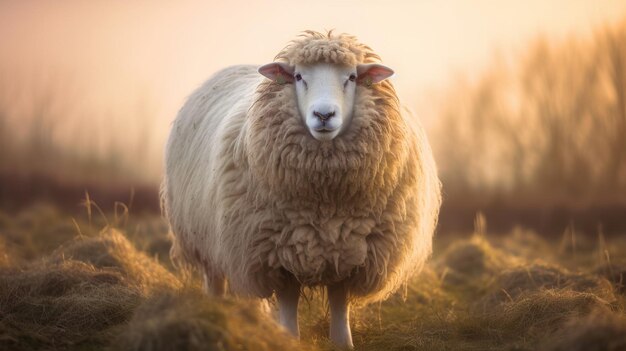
(189, 320)
(614, 272)
(111, 249)
(511, 283)
(66, 305)
(598, 331)
(471, 263)
(540, 313)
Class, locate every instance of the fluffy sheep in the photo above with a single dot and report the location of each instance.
(308, 174)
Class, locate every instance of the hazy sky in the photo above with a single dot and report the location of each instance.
(115, 51)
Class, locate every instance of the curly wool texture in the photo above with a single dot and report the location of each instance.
(252, 196)
(314, 47)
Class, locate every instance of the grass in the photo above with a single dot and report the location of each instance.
(105, 283)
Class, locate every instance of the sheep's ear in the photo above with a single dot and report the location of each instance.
(279, 72)
(372, 73)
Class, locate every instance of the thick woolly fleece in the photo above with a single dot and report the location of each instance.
(252, 196)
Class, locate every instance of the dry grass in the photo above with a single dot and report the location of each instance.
(99, 291)
(598, 331)
(5, 260)
(469, 264)
(62, 306)
(511, 283)
(112, 250)
(36, 231)
(188, 320)
(616, 273)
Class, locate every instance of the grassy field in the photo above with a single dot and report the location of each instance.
(100, 282)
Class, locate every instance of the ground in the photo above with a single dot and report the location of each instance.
(99, 281)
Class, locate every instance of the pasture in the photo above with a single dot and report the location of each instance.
(103, 281)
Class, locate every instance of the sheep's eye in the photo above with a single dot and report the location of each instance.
(352, 77)
(298, 77)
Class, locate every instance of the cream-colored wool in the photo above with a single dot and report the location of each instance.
(314, 47)
(252, 196)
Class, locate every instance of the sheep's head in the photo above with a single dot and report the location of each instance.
(326, 92)
(325, 71)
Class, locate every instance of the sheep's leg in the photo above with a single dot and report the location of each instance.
(214, 283)
(288, 298)
(340, 333)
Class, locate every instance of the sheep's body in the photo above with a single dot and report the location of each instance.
(198, 180)
(252, 197)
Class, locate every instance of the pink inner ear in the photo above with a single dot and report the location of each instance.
(278, 72)
(375, 72)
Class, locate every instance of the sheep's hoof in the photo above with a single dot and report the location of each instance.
(342, 337)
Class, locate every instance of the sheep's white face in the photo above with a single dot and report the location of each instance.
(326, 92)
(325, 95)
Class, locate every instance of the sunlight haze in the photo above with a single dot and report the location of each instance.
(120, 56)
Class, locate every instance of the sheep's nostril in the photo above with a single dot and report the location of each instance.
(324, 116)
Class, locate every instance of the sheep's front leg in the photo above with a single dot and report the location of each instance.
(288, 298)
(340, 333)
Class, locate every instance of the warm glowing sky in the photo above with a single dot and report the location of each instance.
(119, 49)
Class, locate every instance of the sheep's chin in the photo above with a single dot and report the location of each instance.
(324, 136)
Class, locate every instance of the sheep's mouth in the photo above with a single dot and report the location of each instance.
(324, 133)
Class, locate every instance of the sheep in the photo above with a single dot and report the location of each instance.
(307, 174)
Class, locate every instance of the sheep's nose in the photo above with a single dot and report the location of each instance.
(324, 116)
